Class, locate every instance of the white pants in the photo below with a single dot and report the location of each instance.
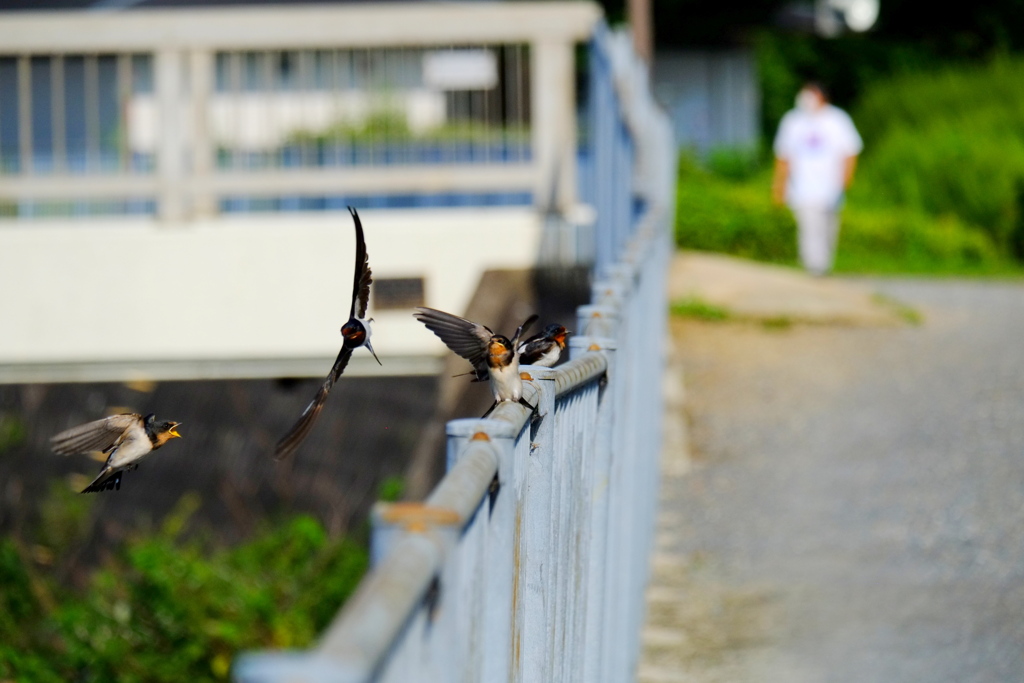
(818, 233)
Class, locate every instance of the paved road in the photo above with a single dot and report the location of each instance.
(855, 506)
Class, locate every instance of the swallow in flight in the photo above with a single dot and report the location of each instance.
(354, 333)
(545, 348)
(492, 354)
(125, 439)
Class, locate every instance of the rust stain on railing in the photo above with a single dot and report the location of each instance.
(418, 517)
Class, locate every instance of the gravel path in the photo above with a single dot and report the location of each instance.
(855, 506)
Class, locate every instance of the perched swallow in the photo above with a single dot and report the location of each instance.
(544, 349)
(354, 333)
(125, 439)
(492, 354)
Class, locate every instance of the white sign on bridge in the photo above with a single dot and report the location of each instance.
(460, 70)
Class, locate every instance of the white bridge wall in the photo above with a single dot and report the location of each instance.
(254, 295)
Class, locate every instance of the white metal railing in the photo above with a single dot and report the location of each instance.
(188, 112)
(529, 559)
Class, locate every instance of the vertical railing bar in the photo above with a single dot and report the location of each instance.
(397, 142)
(234, 92)
(123, 78)
(353, 86)
(91, 87)
(387, 56)
(24, 78)
(269, 157)
(481, 125)
(567, 544)
(58, 112)
(368, 143)
(443, 144)
(2, 165)
(302, 98)
(336, 117)
(523, 115)
(502, 116)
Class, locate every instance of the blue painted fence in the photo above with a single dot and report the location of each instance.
(528, 561)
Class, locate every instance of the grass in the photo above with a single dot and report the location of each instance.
(699, 309)
(696, 308)
(908, 314)
(777, 323)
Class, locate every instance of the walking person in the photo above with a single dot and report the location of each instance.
(816, 150)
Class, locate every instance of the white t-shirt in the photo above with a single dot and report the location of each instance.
(816, 145)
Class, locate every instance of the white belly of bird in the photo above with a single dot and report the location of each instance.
(550, 357)
(505, 382)
(132, 450)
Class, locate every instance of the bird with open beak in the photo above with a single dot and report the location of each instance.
(545, 348)
(125, 439)
(495, 355)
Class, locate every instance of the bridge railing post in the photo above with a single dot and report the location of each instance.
(486, 571)
(533, 645)
(601, 547)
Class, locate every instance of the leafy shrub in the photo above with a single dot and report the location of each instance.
(891, 239)
(951, 142)
(949, 169)
(171, 610)
(716, 214)
(955, 94)
(735, 218)
(735, 163)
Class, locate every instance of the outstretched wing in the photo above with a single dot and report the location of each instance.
(522, 328)
(94, 436)
(464, 337)
(361, 277)
(290, 441)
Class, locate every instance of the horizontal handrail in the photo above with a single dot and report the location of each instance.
(396, 179)
(296, 26)
(365, 629)
(216, 76)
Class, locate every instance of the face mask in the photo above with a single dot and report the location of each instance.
(806, 101)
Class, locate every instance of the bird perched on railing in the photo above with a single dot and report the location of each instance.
(354, 333)
(544, 348)
(495, 355)
(125, 439)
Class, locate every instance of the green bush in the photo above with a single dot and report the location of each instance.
(951, 142)
(947, 169)
(895, 240)
(954, 94)
(171, 610)
(736, 163)
(732, 217)
(738, 217)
